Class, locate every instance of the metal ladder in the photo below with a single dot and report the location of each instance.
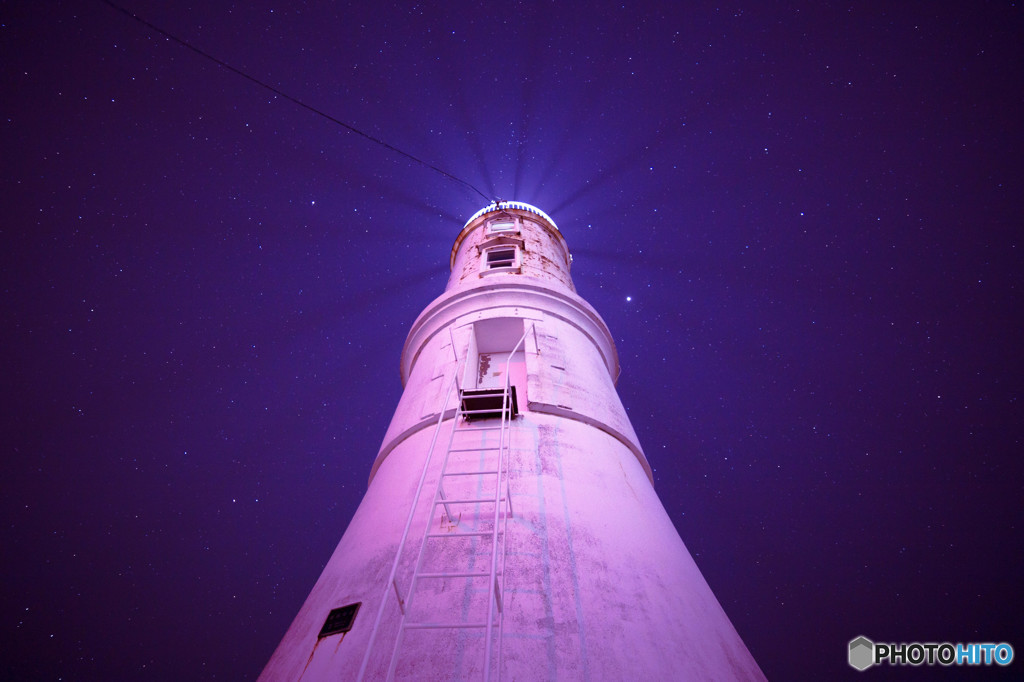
(491, 476)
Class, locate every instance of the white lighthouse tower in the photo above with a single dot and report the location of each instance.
(510, 528)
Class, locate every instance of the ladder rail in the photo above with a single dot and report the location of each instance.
(492, 584)
(405, 532)
(504, 558)
(416, 574)
(499, 525)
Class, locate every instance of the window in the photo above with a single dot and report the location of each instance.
(339, 620)
(503, 225)
(501, 258)
(501, 253)
(483, 403)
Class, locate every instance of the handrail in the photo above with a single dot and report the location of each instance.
(405, 533)
(492, 582)
(438, 492)
(495, 592)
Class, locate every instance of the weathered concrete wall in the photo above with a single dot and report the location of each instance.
(598, 584)
(567, 355)
(545, 255)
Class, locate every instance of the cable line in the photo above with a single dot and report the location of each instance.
(288, 97)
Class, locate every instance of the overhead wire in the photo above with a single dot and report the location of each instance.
(294, 100)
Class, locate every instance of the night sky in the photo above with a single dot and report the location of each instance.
(802, 226)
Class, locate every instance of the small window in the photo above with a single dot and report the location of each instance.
(501, 258)
(339, 620)
(482, 403)
(503, 225)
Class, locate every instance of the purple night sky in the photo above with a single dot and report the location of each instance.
(802, 225)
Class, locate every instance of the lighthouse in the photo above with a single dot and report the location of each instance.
(510, 528)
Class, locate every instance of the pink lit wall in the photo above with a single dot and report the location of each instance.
(598, 584)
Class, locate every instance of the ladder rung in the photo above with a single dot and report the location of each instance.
(458, 535)
(471, 449)
(470, 473)
(467, 429)
(424, 626)
(469, 500)
(457, 574)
